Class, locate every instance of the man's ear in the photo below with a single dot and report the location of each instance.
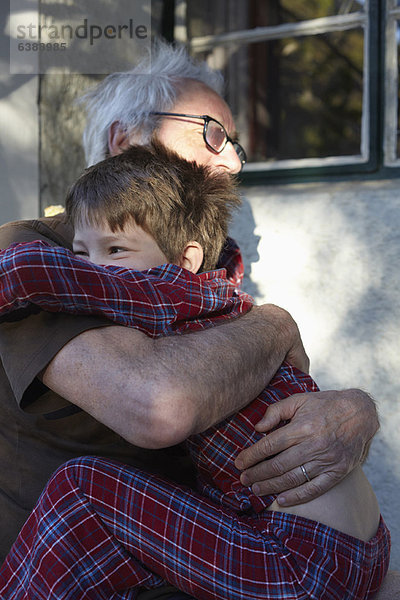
(192, 257)
(118, 139)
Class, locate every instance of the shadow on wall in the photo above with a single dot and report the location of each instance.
(243, 231)
(61, 126)
(7, 213)
(8, 83)
(360, 288)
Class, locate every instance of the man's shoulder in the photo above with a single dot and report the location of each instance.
(54, 230)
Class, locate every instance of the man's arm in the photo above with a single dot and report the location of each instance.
(329, 433)
(155, 393)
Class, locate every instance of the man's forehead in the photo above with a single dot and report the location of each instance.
(198, 98)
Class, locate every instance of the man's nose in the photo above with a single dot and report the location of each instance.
(229, 159)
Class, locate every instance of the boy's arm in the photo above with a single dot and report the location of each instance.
(157, 302)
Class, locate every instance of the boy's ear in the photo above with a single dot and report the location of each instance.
(192, 257)
(118, 139)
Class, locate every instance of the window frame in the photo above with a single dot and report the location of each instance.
(379, 92)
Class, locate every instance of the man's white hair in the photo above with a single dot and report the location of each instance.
(129, 97)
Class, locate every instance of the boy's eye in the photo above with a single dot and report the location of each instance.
(116, 249)
(80, 253)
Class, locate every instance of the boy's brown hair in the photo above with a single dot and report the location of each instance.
(173, 200)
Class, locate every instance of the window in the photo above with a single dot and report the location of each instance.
(313, 83)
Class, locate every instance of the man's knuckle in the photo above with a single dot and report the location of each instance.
(343, 466)
(292, 479)
(277, 468)
(272, 487)
(273, 408)
(326, 448)
(308, 492)
(266, 448)
(329, 451)
(324, 453)
(315, 489)
(308, 430)
(340, 452)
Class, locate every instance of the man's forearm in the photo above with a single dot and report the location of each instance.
(228, 366)
(157, 392)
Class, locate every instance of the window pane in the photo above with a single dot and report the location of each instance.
(297, 97)
(211, 17)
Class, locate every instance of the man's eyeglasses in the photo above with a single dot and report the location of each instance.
(214, 134)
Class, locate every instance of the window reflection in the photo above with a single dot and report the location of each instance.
(297, 97)
(211, 17)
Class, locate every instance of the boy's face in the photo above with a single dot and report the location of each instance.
(131, 247)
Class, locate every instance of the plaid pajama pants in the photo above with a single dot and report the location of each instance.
(102, 529)
(105, 530)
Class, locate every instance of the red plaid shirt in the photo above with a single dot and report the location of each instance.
(231, 260)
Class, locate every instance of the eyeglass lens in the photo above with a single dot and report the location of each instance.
(216, 138)
(215, 135)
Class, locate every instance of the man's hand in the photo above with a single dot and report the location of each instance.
(329, 434)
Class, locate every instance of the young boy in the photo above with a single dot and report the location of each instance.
(104, 528)
(138, 210)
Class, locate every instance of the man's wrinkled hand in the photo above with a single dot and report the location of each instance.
(328, 433)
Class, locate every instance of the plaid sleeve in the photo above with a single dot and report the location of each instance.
(159, 301)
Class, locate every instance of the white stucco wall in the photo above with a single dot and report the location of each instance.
(329, 253)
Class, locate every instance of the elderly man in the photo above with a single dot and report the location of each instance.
(80, 385)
